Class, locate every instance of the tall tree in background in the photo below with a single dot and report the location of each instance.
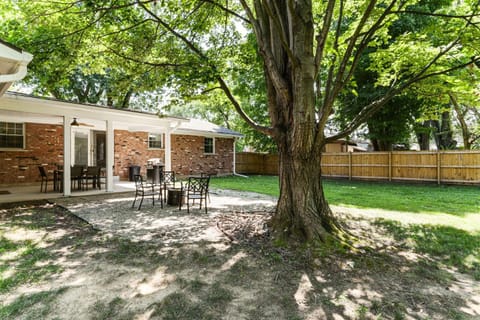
(308, 51)
(395, 123)
(69, 61)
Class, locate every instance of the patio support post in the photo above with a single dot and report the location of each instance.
(110, 150)
(168, 150)
(67, 155)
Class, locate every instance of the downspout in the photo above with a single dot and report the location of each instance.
(234, 161)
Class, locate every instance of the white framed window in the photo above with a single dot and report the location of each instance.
(209, 145)
(12, 135)
(155, 141)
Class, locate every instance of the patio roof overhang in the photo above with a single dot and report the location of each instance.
(14, 106)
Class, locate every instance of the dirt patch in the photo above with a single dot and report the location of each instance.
(109, 261)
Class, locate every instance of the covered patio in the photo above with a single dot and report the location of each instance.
(88, 131)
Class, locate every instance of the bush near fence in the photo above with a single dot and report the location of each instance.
(459, 167)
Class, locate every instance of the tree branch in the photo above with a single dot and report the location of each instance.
(241, 112)
(220, 80)
(227, 10)
(322, 36)
(148, 63)
(274, 17)
(376, 105)
(432, 14)
(264, 49)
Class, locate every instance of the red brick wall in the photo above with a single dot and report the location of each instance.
(43, 146)
(188, 156)
(131, 148)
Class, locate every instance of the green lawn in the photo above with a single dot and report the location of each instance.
(412, 198)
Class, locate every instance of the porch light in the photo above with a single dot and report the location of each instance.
(74, 122)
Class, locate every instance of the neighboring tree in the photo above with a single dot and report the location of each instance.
(309, 53)
(69, 63)
(452, 96)
(393, 125)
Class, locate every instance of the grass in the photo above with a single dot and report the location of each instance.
(413, 198)
(450, 246)
(39, 302)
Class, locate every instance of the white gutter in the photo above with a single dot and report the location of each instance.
(18, 75)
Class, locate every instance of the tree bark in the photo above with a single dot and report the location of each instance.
(423, 135)
(303, 213)
(444, 134)
(466, 134)
(286, 39)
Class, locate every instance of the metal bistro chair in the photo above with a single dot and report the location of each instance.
(45, 179)
(195, 189)
(168, 182)
(143, 189)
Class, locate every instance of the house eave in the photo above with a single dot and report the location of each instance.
(55, 109)
(191, 132)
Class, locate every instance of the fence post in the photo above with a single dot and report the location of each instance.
(350, 165)
(390, 166)
(438, 167)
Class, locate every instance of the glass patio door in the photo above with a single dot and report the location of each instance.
(81, 143)
(99, 148)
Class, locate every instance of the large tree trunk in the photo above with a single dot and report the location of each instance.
(303, 213)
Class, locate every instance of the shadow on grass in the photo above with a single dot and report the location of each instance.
(449, 246)
(249, 280)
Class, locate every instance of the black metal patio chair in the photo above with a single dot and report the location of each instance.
(144, 189)
(196, 188)
(45, 179)
(76, 176)
(168, 181)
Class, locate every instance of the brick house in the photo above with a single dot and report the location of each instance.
(37, 131)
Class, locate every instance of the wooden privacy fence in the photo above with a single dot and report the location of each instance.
(256, 163)
(461, 167)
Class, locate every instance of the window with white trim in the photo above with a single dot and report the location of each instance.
(12, 135)
(155, 141)
(209, 145)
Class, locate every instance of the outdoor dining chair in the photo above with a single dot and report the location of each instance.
(45, 179)
(144, 189)
(92, 174)
(168, 182)
(196, 188)
(76, 174)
